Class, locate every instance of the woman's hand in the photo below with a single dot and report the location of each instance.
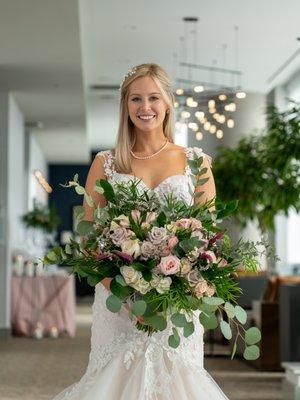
(140, 319)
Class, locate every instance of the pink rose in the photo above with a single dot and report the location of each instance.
(169, 265)
(136, 215)
(173, 241)
(210, 291)
(183, 223)
(203, 289)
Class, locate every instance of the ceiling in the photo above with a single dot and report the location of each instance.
(119, 34)
(51, 52)
(40, 62)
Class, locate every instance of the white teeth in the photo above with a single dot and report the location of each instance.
(146, 116)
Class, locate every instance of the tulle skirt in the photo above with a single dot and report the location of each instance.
(167, 381)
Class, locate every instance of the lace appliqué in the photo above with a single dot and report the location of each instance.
(108, 165)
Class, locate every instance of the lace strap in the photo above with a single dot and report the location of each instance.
(108, 165)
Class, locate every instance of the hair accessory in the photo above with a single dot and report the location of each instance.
(132, 71)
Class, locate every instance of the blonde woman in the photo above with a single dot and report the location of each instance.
(124, 363)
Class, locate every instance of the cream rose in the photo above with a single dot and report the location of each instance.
(169, 265)
(131, 247)
(164, 285)
(185, 266)
(193, 277)
(130, 275)
(142, 286)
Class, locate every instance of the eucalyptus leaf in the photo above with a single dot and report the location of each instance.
(120, 291)
(188, 329)
(121, 280)
(79, 189)
(251, 353)
(252, 336)
(113, 303)
(138, 308)
(226, 329)
(84, 227)
(240, 314)
(157, 322)
(213, 301)
(174, 341)
(179, 319)
(79, 212)
(229, 309)
(209, 321)
(92, 280)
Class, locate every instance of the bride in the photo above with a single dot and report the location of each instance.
(125, 363)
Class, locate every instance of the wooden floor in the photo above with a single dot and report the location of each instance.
(37, 370)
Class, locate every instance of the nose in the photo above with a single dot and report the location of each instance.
(145, 104)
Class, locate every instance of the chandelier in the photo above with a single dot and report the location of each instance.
(205, 96)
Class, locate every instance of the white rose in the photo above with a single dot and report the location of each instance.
(131, 247)
(155, 280)
(164, 285)
(185, 266)
(130, 275)
(142, 286)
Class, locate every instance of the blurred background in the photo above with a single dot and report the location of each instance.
(235, 68)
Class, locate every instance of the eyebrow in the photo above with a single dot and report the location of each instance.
(137, 94)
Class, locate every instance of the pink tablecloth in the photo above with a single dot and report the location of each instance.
(45, 300)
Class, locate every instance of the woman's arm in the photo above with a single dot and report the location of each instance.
(96, 172)
(209, 188)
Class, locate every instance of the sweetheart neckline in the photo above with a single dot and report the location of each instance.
(185, 174)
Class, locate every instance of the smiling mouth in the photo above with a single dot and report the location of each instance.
(148, 118)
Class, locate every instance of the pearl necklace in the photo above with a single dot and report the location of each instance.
(151, 155)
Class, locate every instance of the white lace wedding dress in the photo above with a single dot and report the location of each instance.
(127, 364)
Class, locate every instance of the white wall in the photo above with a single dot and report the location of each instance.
(36, 161)
(12, 196)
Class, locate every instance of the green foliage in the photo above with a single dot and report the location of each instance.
(43, 218)
(263, 171)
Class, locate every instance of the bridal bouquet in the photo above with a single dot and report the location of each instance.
(166, 260)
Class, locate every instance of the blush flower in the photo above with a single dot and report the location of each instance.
(202, 288)
(169, 265)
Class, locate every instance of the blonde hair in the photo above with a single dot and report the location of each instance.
(126, 137)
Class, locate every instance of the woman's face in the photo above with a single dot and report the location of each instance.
(145, 100)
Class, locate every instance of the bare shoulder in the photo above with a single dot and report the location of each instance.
(176, 149)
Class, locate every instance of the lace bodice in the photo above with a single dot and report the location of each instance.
(180, 185)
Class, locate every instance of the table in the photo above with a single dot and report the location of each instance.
(48, 301)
